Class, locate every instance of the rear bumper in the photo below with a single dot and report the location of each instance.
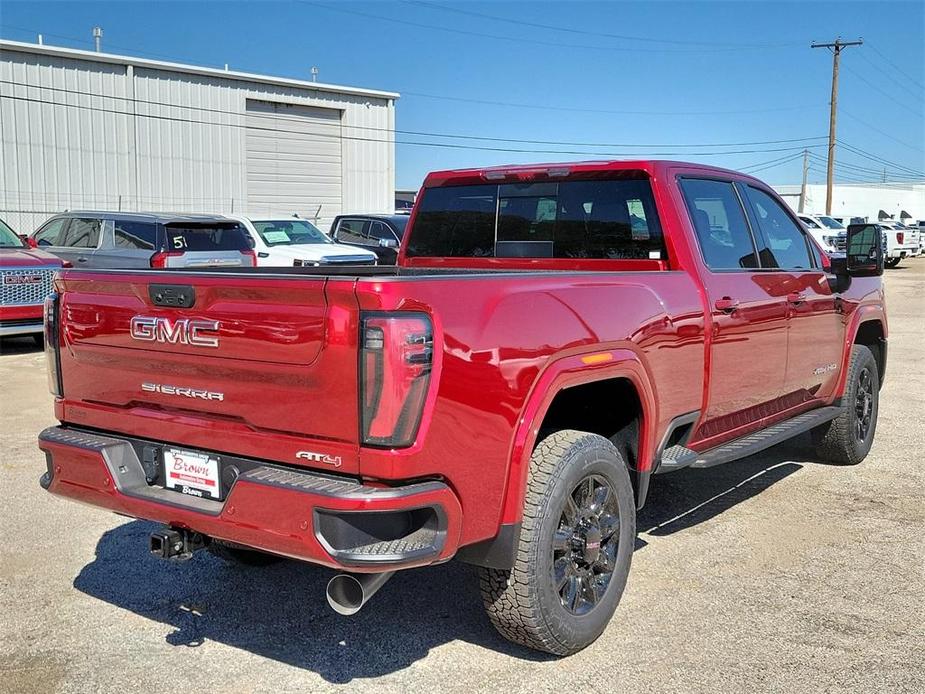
(328, 520)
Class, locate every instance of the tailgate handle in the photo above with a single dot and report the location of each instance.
(172, 295)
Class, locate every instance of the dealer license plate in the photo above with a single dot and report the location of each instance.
(192, 473)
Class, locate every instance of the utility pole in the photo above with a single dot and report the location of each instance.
(836, 48)
(802, 207)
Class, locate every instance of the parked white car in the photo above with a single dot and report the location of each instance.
(826, 231)
(282, 241)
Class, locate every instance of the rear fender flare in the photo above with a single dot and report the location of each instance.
(566, 372)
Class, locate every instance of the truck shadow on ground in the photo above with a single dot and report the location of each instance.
(280, 611)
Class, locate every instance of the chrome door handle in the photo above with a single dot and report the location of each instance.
(796, 298)
(726, 304)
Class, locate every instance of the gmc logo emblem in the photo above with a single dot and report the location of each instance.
(22, 279)
(180, 332)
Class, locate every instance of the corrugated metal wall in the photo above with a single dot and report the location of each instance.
(78, 133)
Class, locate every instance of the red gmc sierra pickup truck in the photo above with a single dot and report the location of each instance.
(551, 338)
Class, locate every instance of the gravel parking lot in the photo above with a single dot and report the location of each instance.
(776, 573)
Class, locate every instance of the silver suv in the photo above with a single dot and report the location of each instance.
(95, 239)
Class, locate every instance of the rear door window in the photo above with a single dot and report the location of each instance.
(208, 237)
(785, 241)
(719, 221)
(52, 234)
(83, 233)
(353, 231)
(380, 230)
(593, 219)
(135, 235)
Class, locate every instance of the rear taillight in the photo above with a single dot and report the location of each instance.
(396, 355)
(52, 354)
(250, 258)
(161, 258)
(900, 237)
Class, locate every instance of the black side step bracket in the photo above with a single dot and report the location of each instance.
(677, 457)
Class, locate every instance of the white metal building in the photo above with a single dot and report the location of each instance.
(80, 129)
(861, 199)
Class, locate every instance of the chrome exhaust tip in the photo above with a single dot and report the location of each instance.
(347, 593)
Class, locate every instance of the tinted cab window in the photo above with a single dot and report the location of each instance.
(719, 221)
(381, 230)
(602, 219)
(783, 238)
(135, 235)
(354, 231)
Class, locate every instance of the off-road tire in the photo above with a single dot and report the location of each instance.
(837, 441)
(523, 603)
(235, 554)
(891, 262)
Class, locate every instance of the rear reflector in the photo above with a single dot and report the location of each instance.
(396, 355)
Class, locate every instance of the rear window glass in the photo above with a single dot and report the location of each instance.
(136, 235)
(604, 219)
(207, 237)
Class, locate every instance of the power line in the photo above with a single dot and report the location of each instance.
(445, 97)
(867, 169)
(874, 157)
(225, 112)
(894, 101)
(878, 130)
(887, 73)
(896, 67)
(585, 32)
(786, 159)
(571, 109)
(514, 39)
(397, 142)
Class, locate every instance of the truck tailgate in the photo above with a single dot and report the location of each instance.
(248, 357)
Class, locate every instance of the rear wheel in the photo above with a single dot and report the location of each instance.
(892, 262)
(235, 554)
(847, 438)
(575, 547)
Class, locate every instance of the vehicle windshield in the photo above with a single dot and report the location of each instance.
(831, 223)
(8, 237)
(290, 232)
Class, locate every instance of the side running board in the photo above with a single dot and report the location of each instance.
(677, 457)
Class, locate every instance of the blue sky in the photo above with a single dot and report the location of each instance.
(614, 74)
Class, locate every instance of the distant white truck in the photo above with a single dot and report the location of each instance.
(826, 231)
(901, 242)
(283, 241)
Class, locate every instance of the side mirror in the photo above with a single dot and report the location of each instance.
(30, 242)
(388, 243)
(864, 251)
